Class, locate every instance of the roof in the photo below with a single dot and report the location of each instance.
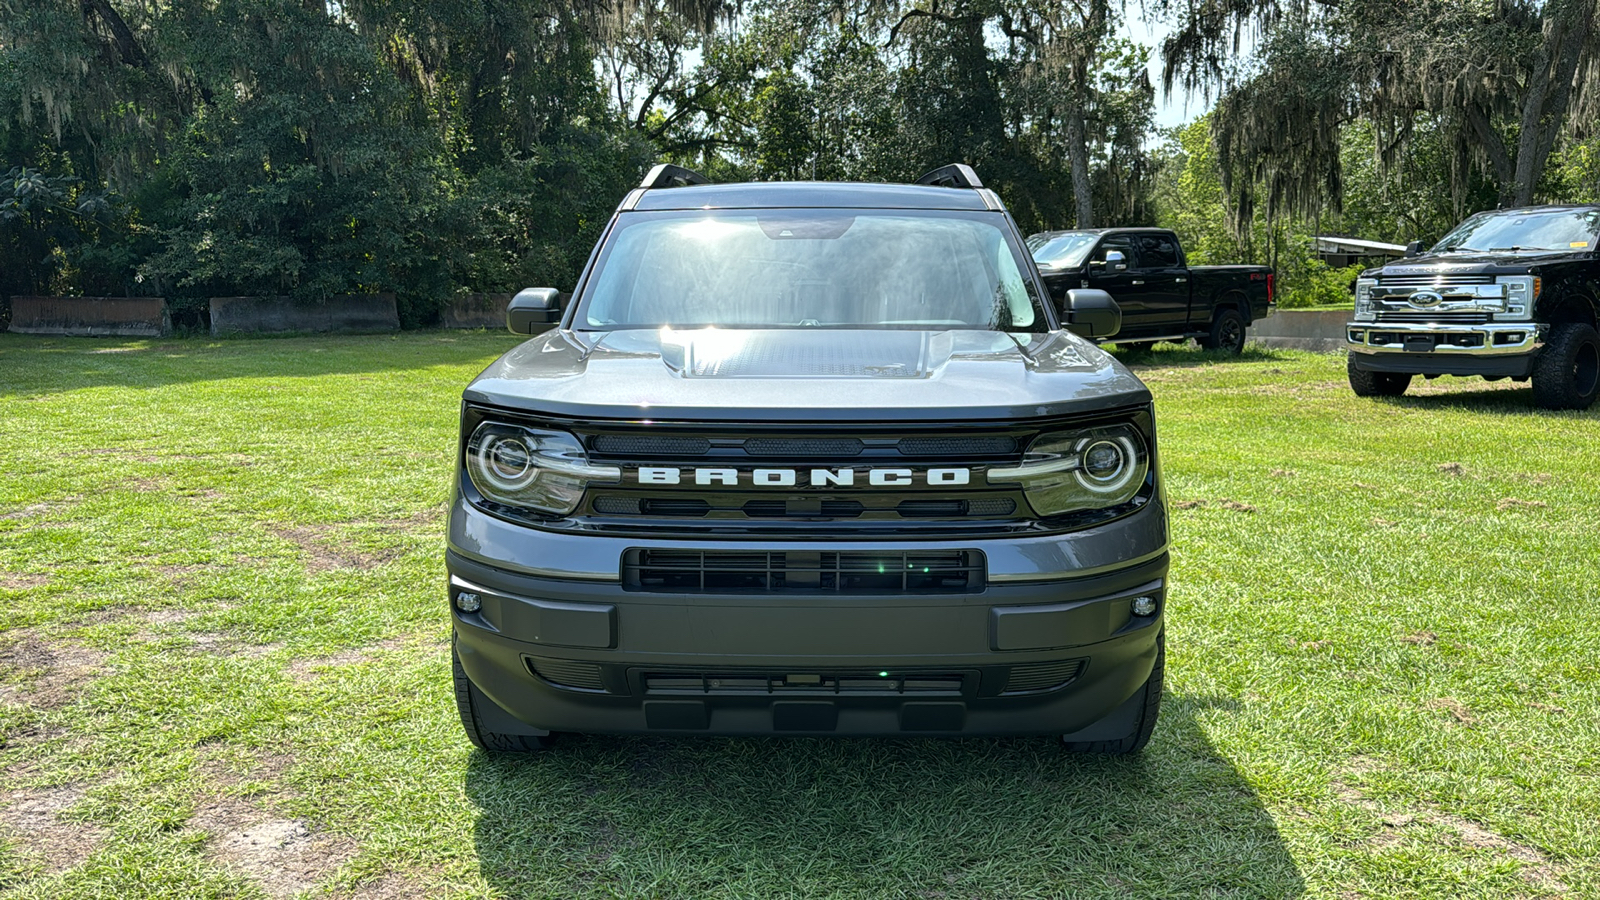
(1335, 244)
(1131, 229)
(780, 194)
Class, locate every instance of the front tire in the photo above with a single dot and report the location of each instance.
(1567, 373)
(1367, 383)
(470, 701)
(1227, 332)
(1149, 711)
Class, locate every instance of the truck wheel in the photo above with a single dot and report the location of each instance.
(1149, 712)
(1367, 383)
(1567, 373)
(1227, 332)
(469, 700)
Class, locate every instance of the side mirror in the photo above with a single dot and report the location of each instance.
(1414, 248)
(1116, 261)
(532, 308)
(1091, 314)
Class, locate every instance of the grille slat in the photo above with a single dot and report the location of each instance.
(841, 448)
(847, 572)
(1433, 281)
(650, 445)
(999, 445)
(1444, 317)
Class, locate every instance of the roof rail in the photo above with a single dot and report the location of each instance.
(668, 175)
(957, 175)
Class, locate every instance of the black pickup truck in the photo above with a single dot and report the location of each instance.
(1513, 293)
(1161, 296)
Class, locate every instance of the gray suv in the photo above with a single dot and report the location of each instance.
(812, 459)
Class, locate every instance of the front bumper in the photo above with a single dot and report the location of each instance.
(1495, 350)
(1051, 657)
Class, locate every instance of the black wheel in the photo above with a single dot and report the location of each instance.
(470, 702)
(1367, 383)
(1150, 710)
(1567, 373)
(1227, 332)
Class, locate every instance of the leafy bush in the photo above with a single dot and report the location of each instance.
(1319, 285)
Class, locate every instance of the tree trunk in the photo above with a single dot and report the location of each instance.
(1544, 108)
(1078, 153)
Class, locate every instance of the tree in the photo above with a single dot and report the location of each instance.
(1502, 83)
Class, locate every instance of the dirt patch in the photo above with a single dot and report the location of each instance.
(1534, 477)
(39, 510)
(1454, 707)
(211, 643)
(310, 668)
(227, 772)
(324, 552)
(283, 856)
(1232, 505)
(48, 674)
(1537, 870)
(1513, 503)
(21, 581)
(1420, 638)
(32, 815)
(1549, 708)
(1382, 523)
(1452, 468)
(1283, 473)
(395, 887)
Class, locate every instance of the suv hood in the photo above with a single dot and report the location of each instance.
(807, 375)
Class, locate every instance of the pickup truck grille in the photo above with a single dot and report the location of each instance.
(843, 572)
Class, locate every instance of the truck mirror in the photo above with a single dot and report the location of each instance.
(1414, 248)
(1091, 313)
(1116, 261)
(531, 308)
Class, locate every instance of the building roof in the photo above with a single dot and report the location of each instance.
(1335, 244)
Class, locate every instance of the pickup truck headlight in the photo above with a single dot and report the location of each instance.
(1521, 292)
(1067, 471)
(530, 468)
(1364, 310)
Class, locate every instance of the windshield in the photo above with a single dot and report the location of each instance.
(1061, 251)
(1534, 230)
(811, 268)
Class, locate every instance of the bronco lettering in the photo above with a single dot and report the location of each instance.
(814, 477)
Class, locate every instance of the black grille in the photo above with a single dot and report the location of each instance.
(567, 672)
(1432, 281)
(1044, 676)
(778, 509)
(804, 447)
(648, 446)
(1443, 317)
(947, 684)
(958, 446)
(848, 572)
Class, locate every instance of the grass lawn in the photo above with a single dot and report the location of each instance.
(224, 664)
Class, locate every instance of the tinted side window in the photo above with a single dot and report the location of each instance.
(1157, 251)
(1121, 244)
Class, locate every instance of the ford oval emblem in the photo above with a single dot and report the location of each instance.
(1426, 298)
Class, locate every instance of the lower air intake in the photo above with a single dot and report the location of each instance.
(571, 673)
(849, 572)
(1045, 676)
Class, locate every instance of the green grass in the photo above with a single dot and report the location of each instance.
(221, 596)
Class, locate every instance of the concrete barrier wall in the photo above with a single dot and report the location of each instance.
(1302, 329)
(91, 316)
(476, 311)
(348, 314)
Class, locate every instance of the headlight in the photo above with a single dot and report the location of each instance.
(1364, 288)
(1521, 292)
(1066, 471)
(528, 468)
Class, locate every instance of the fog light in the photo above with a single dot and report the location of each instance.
(468, 602)
(1144, 606)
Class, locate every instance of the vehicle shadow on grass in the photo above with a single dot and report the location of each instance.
(1473, 396)
(1179, 356)
(687, 817)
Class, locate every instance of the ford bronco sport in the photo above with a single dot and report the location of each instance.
(813, 459)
